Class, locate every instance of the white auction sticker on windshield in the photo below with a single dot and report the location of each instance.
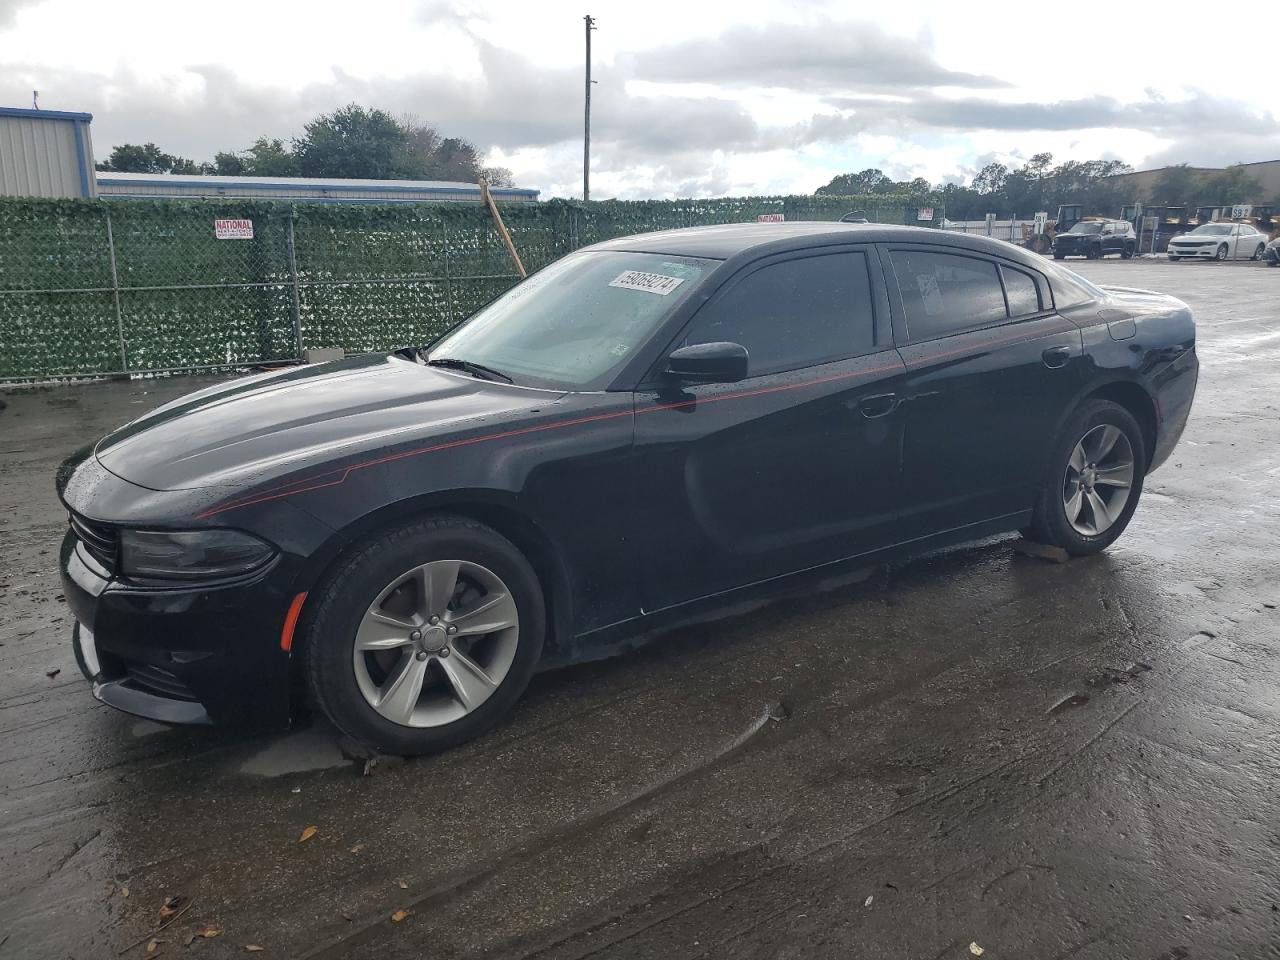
(648, 282)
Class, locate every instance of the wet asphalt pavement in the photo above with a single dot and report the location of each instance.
(1049, 761)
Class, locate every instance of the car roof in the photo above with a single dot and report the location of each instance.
(727, 241)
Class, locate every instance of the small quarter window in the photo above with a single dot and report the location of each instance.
(1020, 288)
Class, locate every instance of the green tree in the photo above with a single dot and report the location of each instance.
(1177, 186)
(266, 158)
(359, 143)
(870, 180)
(148, 158)
(1232, 185)
(498, 176)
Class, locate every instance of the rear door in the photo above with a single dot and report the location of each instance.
(990, 370)
(791, 468)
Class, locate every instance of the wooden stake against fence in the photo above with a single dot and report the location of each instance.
(502, 227)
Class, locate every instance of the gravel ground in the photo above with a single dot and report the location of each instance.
(1046, 760)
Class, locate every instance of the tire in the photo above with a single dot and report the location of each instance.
(1127, 253)
(1222, 253)
(1059, 256)
(1173, 259)
(346, 685)
(1257, 254)
(1050, 522)
(1095, 253)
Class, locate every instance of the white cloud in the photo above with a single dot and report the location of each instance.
(753, 96)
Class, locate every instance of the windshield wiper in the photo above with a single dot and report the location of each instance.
(471, 367)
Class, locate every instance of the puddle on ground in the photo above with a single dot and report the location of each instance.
(315, 748)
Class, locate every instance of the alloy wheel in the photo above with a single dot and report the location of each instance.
(1098, 480)
(436, 643)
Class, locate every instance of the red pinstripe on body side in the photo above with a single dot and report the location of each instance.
(339, 476)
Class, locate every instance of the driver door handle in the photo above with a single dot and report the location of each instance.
(879, 405)
(1056, 357)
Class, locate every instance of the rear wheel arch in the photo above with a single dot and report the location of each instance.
(1134, 398)
(493, 512)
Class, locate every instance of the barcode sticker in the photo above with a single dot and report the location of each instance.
(648, 282)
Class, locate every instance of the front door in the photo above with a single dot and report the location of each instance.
(991, 368)
(791, 468)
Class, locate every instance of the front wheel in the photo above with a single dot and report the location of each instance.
(1222, 253)
(1093, 481)
(1059, 256)
(1173, 259)
(426, 636)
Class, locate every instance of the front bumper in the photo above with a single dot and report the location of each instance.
(1191, 253)
(200, 654)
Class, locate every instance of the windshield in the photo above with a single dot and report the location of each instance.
(1213, 230)
(1092, 226)
(574, 324)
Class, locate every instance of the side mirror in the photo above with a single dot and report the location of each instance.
(708, 363)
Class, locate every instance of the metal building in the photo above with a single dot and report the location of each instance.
(45, 153)
(315, 190)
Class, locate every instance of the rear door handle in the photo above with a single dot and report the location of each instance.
(1056, 357)
(879, 405)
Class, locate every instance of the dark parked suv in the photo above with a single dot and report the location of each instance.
(1096, 238)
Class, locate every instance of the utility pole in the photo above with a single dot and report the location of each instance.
(590, 23)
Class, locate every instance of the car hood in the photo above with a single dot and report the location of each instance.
(261, 427)
(1195, 238)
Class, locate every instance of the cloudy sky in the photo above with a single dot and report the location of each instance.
(693, 98)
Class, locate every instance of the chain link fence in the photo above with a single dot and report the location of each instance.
(90, 288)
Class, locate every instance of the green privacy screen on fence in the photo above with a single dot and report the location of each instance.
(110, 286)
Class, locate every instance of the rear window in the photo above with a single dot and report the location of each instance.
(943, 293)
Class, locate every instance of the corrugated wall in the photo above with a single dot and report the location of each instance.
(41, 157)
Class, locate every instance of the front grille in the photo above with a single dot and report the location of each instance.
(99, 541)
(151, 679)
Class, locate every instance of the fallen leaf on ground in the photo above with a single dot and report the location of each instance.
(153, 946)
(209, 932)
(254, 948)
(307, 834)
(403, 885)
(358, 847)
(124, 892)
(867, 902)
(172, 905)
(976, 950)
(53, 673)
(399, 915)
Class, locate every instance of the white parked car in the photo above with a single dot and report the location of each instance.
(1218, 241)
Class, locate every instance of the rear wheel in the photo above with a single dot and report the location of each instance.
(1128, 251)
(1257, 254)
(426, 636)
(1222, 253)
(1093, 482)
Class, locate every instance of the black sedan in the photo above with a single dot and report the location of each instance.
(644, 432)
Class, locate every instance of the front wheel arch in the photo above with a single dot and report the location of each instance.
(489, 509)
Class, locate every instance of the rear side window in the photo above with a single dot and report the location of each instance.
(795, 313)
(1020, 288)
(943, 293)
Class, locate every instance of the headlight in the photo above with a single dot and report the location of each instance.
(190, 555)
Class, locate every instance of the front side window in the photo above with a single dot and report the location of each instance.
(795, 313)
(575, 324)
(944, 293)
